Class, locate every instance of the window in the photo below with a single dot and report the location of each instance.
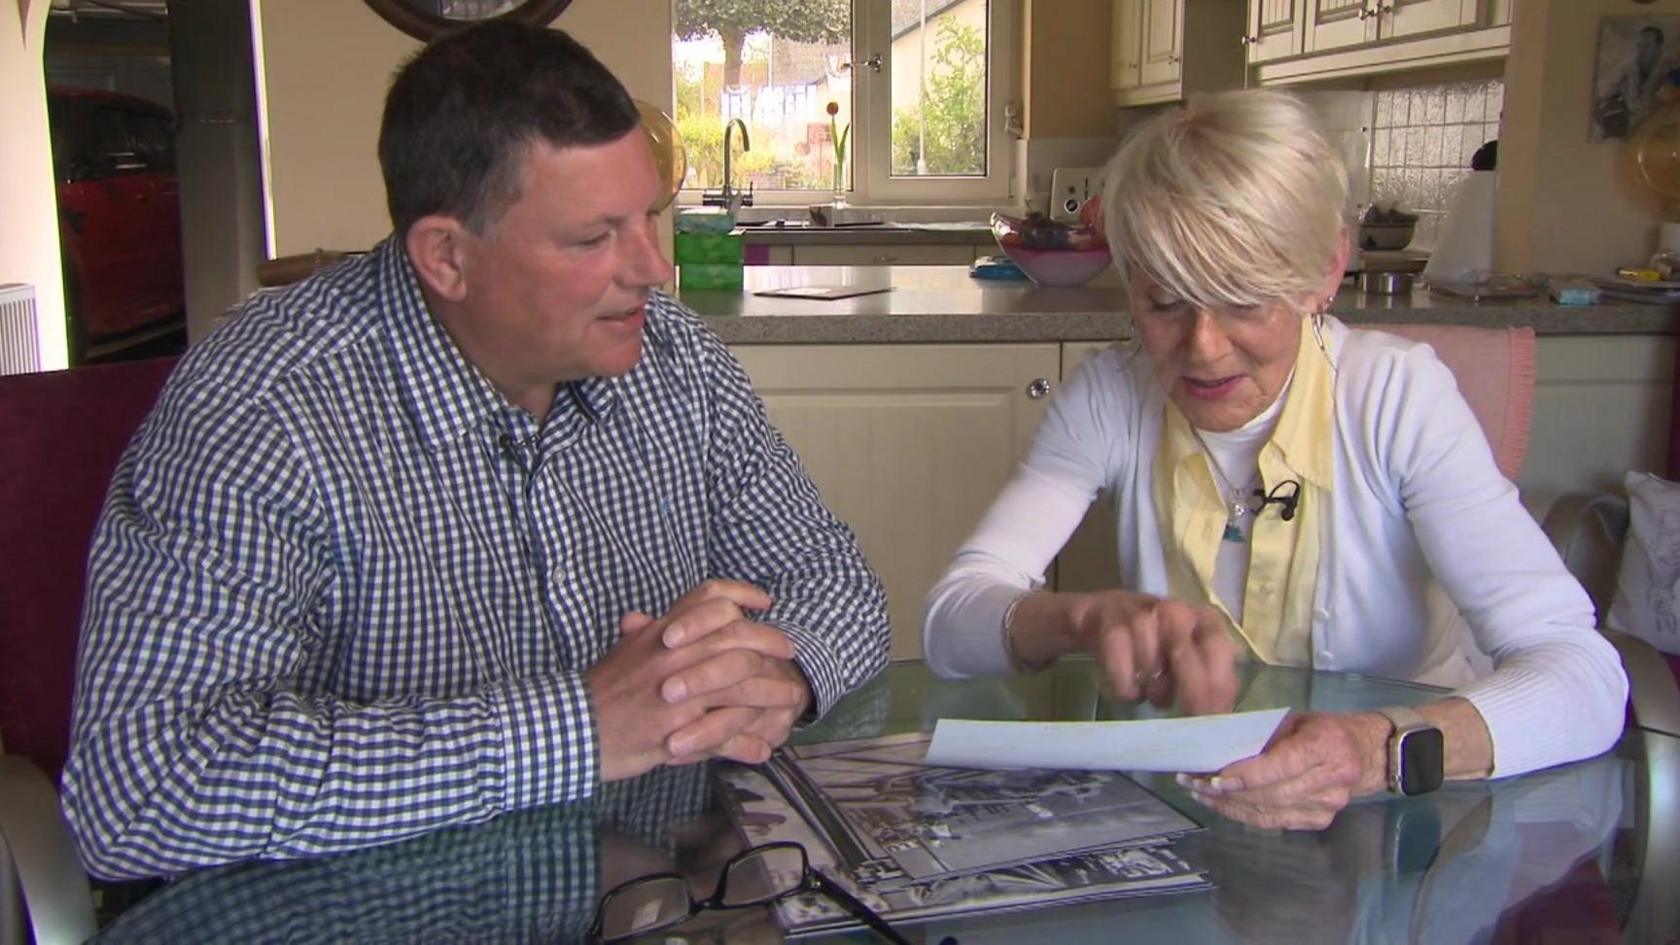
(918, 88)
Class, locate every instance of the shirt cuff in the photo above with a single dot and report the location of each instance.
(817, 660)
(550, 753)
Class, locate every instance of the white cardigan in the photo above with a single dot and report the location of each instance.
(1421, 520)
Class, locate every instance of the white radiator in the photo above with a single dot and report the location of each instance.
(20, 338)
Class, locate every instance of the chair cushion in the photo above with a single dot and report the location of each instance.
(1647, 601)
(63, 433)
(1494, 368)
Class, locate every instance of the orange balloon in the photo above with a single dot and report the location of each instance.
(667, 144)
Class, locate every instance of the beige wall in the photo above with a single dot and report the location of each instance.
(1565, 203)
(1066, 64)
(29, 218)
(326, 64)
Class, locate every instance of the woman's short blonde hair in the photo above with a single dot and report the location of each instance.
(1234, 199)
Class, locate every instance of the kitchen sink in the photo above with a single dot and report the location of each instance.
(808, 225)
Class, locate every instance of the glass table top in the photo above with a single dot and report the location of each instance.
(1588, 852)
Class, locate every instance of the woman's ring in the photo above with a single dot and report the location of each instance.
(1144, 677)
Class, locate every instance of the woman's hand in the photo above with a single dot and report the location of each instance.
(1314, 764)
(1151, 648)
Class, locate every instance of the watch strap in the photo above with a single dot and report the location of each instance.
(1403, 718)
(1405, 721)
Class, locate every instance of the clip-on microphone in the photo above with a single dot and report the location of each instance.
(1289, 501)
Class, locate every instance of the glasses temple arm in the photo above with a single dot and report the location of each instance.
(856, 907)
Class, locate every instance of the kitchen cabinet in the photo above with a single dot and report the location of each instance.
(908, 443)
(1088, 561)
(1275, 29)
(1306, 40)
(1163, 50)
(1337, 24)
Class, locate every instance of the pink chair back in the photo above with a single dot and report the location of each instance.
(63, 433)
(1495, 372)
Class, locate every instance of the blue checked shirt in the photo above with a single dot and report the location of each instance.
(343, 593)
(532, 876)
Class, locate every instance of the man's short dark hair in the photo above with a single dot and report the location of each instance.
(462, 113)
(1654, 32)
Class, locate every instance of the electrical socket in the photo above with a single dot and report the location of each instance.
(1070, 187)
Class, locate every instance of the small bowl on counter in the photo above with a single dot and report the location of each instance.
(1049, 252)
(1381, 236)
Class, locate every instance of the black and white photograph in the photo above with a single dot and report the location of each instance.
(914, 823)
(1635, 56)
(1158, 869)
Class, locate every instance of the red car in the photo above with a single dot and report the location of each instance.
(119, 213)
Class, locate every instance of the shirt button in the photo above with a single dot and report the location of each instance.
(1324, 656)
(1322, 614)
(1268, 588)
(559, 574)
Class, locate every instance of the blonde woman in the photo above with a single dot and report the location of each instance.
(1288, 489)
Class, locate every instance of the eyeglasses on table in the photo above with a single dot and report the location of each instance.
(753, 877)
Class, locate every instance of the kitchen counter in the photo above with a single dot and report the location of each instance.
(943, 304)
(872, 234)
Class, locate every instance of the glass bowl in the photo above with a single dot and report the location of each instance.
(1049, 252)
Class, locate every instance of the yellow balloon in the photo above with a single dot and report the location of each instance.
(667, 144)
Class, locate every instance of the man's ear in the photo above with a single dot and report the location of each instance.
(438, 247)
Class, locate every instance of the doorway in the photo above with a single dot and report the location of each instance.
(152, 107)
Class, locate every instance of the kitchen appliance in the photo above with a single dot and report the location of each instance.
(1464, 249)
(1070, 187)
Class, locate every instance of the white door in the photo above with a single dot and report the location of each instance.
(1274, 29)
(1412, 17)
(1337, 24)
(1163, 41)
(908, 443)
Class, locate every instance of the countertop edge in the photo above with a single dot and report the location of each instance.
(1052, 326)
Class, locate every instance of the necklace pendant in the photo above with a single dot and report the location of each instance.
(1233, 533)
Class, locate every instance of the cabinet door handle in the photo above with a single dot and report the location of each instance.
(1038, 388)
(1250, 40)
(885, 259)
(1172, 60)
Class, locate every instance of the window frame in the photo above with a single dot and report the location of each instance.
(872, 27)
(872, 183)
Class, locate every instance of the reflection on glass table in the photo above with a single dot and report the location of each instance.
(1582, 853)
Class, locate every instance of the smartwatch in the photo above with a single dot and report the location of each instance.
(1416, 753)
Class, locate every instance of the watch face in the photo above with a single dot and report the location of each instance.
(1422, 760)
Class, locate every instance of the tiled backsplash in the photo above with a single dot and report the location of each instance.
(1422, 139)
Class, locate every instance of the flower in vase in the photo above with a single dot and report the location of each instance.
(839, 136)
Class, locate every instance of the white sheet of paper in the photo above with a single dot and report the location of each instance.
(1203, 743)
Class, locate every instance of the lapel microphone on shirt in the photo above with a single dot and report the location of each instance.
(1290, 500)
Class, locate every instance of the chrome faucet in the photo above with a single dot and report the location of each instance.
(729, 197)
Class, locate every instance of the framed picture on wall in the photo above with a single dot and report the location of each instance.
(1635, 56)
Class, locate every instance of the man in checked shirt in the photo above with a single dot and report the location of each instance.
(468, 524)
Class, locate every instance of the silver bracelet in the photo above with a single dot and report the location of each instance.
(1015, 661)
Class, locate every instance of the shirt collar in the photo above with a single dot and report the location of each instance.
(1304, 431)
